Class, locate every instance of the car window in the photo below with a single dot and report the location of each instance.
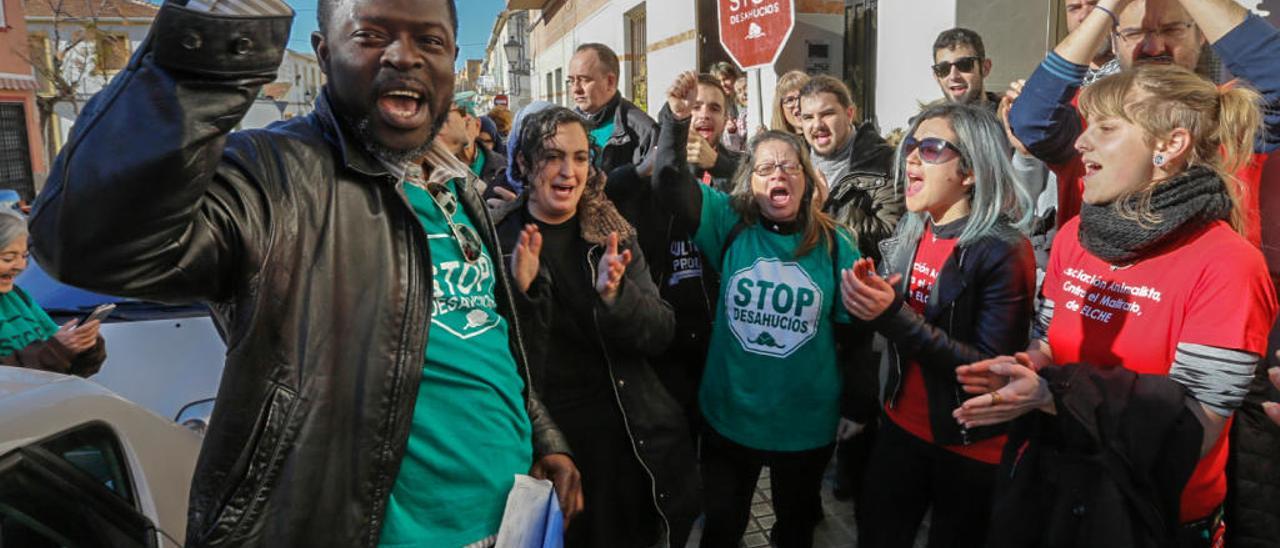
(71, 490)
(94, 450)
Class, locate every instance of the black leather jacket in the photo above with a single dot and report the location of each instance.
(864, 199)
(634, 135)
(315, 267)
(980, 307)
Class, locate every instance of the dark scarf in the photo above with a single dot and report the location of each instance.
(1186, 202)
(604, 114)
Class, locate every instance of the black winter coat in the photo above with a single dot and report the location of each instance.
(637, 327)
(314, 264)
(1106, 471)
(980, 307)
(634, 136)
(864, 199)
(1253, 469)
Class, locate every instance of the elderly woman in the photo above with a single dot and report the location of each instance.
(28, 337)
(1154, 303)
(590, 306)
(771, 391)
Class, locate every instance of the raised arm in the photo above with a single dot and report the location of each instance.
(1249, 47)
(141, 200)
(1043, 117)
(673, 183)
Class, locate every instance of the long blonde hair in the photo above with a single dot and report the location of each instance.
(793, 80)
(1222, 121)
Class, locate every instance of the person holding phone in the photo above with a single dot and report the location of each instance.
(28, 337)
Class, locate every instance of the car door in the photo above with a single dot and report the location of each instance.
(74, 488)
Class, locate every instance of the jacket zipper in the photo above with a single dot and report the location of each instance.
(951, 328)
(384, 482)
(613, 385)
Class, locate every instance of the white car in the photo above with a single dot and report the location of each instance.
(82, 466)
(166, 358)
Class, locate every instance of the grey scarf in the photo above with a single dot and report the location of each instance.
(835, 166)
(1187, 202)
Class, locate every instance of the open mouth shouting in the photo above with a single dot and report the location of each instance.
(705, 128)
(779, 195)
(402, 104)
(957, 89)
(1091, 168)
(7, 278)
(915, 183)
(563, 190)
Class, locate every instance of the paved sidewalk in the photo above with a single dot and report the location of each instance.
(837, 529)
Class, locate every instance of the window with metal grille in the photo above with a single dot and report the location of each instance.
(15, 151)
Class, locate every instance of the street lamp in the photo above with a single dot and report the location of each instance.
(513, 49)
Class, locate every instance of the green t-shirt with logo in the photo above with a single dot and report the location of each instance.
(470, 432)
(771, 382)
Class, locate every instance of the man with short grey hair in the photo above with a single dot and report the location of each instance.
(622, 130)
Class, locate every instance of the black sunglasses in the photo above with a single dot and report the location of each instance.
(965, 64)
(468, 239)
(933, 150)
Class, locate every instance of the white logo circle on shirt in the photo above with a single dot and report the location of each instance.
(773, 307)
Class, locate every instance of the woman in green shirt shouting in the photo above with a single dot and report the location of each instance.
(771, 392)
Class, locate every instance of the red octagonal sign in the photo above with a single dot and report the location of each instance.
(754, 31)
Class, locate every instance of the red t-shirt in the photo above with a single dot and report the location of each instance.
(1213, 290)
(1071, 188)
(911, 412)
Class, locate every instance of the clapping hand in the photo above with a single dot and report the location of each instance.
(1025, 391)
(865, 294)
(613, 266)
(524, 261)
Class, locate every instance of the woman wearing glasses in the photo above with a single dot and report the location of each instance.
(595, 318)
(771, 391)
(786, 106)
(960, 290)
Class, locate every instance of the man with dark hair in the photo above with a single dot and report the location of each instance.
(960, 65)
(460, 134)
(855, 161)
(624, 132)
(375, 390)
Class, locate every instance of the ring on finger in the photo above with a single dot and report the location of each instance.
(995, 398)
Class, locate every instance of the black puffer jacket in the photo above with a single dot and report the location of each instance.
(980, 307)
(638, 326)
(1253, 490)
(314, 264)
(864, 199)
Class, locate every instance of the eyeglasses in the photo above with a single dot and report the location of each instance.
(790, 100)
(1171, 32)
(932, 149)
(467, 238)
(764, 170)
(965, 64)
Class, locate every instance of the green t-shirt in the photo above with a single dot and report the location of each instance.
(470, 432)
(771, 381)
(22, 322)
(478, 164)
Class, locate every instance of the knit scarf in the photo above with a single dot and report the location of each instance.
(598, 216)
(22, 322)
(1185, 202)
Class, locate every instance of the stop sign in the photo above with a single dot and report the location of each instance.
(754, 31)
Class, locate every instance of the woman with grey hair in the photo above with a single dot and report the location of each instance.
(960, 289)
(28, 337)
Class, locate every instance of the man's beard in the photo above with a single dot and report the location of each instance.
(389, 155)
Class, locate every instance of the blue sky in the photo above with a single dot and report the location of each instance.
(475, 22)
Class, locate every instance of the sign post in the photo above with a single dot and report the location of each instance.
(754, 32)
